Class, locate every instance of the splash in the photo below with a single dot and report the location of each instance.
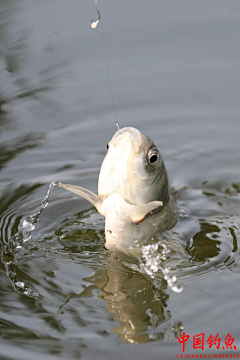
(151, 256)
(15, 243)
(151, 264)
(28, 225)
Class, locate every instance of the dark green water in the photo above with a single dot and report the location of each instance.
(175, 75)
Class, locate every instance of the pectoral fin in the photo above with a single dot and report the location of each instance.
(138, 212)
(86, 194)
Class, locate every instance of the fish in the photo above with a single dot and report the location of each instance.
(134, 193)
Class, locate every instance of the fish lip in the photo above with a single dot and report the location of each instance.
(135, 133)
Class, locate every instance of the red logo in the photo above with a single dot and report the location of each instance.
(214, 341)
(198, 341)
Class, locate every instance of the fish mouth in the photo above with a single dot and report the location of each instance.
(117, 170)
(127, 134)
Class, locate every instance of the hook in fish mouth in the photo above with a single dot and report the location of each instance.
(133, 134)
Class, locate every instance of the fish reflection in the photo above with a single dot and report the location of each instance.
(131, 297)
(136, 303)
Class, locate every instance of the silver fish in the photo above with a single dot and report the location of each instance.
(134, 193)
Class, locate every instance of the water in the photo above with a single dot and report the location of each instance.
(175, 75)
(28, 225)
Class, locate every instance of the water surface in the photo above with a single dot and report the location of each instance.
(174, 68)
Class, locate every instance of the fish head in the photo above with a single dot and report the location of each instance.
(133, 168)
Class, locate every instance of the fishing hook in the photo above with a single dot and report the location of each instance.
(94, 24)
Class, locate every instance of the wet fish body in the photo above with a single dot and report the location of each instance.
(134, 193)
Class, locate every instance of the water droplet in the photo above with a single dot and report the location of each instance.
(20, 284)
(27, 225)
(177, 288)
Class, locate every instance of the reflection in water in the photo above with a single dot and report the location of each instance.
(204, 244)
(136, 303)
(133, 299)
(180, 88)
(137, 298)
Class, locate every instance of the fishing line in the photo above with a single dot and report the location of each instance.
(94, 25)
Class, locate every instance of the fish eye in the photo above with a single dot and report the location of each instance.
(153, 156)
